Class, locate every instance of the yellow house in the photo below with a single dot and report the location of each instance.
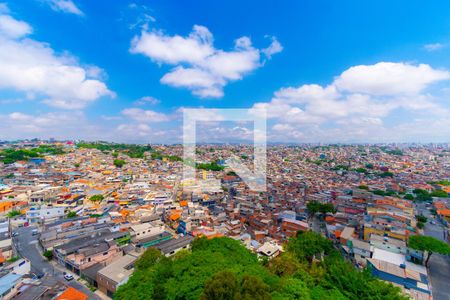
(401, 235)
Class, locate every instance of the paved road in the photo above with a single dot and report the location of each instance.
(439, 265)
(27, 246)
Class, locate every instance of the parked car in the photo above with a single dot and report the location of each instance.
(37, 275)
(68, 277)
(15, 234)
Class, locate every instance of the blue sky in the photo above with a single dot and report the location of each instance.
(326, 71)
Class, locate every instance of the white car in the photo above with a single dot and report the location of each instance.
(68, 277)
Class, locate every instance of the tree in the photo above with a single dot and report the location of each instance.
(308, 245)
(283, 265)
(14, 213)
(222, 286)
(71, 214)
(422, 195)
(408, 197)
(429, 244)
(96, 198)
(313, 207)
(293, 288)
(13, 259)
(222, 268)
(439, 193)
(327, 208)
(421, 218)
(420, 225)
(48, 254)
(386, 174)
(253, 288)
(361, 170)
(150, 257)
(379, 192)
(119, 163)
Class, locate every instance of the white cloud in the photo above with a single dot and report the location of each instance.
(175, 49)
(59, 125)
(141, 16)
(13, 28)
(111, 118)
(202, 83)
(282, 127)
(75, 125)
(199, 66)
(147, 100)
(140, 130)
(356, 103)
(387, 78)
(66, 6)
(144, 116)
(34, 68)
(433, 47)
(274, 48)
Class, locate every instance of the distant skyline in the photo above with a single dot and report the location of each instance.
(122, 71)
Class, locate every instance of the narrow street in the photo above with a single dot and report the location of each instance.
(27, 246)
(439, 265)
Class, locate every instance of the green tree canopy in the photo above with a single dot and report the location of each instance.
(315, 207)
(439, 193)
(97, 198)
(408, 197)
(14, 213)
(222, 268)
(309, 245)
(48, 254)
(421, 218)
(222, 286)
(71, 214)
(119, 163)
(429, 244)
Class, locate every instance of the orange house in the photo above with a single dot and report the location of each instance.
(72, 294)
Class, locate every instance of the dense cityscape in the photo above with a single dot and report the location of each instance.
(94, 220)
(224, 150)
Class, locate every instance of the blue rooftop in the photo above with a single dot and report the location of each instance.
(8, 281)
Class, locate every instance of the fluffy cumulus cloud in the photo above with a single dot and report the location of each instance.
(356, 104)
(198, 65)
(66, 6)
(145, 116)
(274, 48)
(57, 125)
(138, 132)
(13, 28)
(389, 78)
(33, 67)
(147, 100)
(76, 125)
